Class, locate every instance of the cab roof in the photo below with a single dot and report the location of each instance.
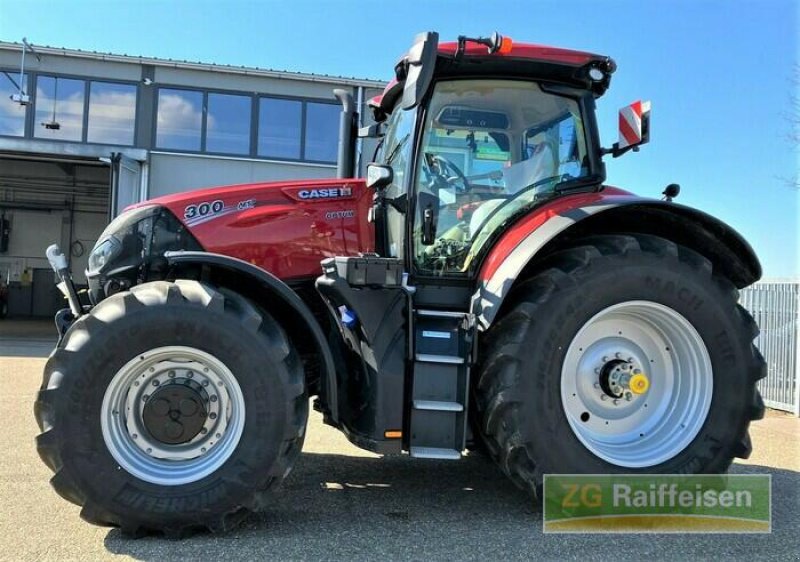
(528, 59)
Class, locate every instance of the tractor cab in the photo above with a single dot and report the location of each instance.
(475, 134)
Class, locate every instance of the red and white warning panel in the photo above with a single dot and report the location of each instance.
(634, 121)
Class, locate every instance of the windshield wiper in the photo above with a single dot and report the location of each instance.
(397, 148)
(575, 183)
(566, 184)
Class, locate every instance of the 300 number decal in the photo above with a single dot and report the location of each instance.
(203, 209)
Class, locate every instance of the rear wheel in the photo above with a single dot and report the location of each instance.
(623, 354)
(171, 407)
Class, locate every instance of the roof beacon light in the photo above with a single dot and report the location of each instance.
(506, 44)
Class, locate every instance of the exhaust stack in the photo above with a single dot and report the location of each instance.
(345, 165)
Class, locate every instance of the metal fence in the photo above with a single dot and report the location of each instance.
(776, 308)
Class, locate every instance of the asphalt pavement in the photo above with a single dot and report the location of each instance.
(342, 503)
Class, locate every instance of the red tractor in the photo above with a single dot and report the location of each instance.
(482, 288)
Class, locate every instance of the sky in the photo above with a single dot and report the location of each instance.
(721, 75)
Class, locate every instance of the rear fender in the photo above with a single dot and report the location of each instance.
(274, 295)
(556, 224)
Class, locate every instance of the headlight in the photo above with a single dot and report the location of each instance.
(102, 253)
(122, 241)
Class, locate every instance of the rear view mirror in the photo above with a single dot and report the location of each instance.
(420, 62)
(634, 129)
(634, 124)
(379, 176)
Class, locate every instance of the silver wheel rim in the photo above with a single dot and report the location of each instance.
(622, 427)
(147, 458)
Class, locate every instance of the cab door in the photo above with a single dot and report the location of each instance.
(396, 153)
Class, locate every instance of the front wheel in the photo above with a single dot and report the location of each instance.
(171, 407)
(623, 354)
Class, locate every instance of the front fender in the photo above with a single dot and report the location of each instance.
(276, 296)
(609, 211)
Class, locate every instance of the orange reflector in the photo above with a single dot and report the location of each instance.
(505, 46)
(392, 434)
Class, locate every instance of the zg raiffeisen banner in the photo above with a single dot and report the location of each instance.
(657, 503)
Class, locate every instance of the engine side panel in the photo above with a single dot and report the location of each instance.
(283, 228)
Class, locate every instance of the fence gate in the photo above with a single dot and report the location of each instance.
(776, 308)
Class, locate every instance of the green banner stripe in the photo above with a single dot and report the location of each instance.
(687, 498)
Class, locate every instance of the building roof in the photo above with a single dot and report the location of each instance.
(202, 66)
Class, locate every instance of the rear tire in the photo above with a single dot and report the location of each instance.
(129, 471)
(533, 359)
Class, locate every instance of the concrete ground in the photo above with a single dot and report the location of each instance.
(344, 503)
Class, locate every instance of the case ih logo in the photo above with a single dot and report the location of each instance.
(325, 193)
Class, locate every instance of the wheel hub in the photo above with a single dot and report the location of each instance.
(176, 412)
(622, 379)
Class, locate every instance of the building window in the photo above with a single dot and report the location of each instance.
(221, 123)
(322, 131)
(228, 124)
(12, 114)
(59, 108)
(112, 113)
(180, 119)
(279, 128)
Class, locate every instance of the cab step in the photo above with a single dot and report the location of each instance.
(435, 453)
(440, 385)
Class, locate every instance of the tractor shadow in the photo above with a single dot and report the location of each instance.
(358, 508)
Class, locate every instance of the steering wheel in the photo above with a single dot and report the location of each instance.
(444, 165)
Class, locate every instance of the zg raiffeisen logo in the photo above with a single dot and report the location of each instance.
(657, 503)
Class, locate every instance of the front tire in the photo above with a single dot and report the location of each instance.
(553, 393)
(171, 407)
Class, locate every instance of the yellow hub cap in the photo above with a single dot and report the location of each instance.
(639, 383)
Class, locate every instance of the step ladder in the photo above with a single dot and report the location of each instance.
(440, 385)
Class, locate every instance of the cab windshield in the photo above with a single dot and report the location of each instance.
(490, 149)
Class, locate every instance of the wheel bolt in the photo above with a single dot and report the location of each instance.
(214, 398)
(616, 401)
(204, 431)
(203, 450)
(618, 355)
(603, 397)
(628, 396)
(156, 383)
(145, 397)
(135, 436)
(212, 415)
(189, 374)
(597, 385)
(597, 371)
(605, 359)
(149, 450)
(172, 374)
(217, 436)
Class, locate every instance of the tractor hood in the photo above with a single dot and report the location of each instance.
(286, 228)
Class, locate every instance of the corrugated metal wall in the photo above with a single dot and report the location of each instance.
(776, 308)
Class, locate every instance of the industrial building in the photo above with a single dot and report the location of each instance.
(84, 134)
